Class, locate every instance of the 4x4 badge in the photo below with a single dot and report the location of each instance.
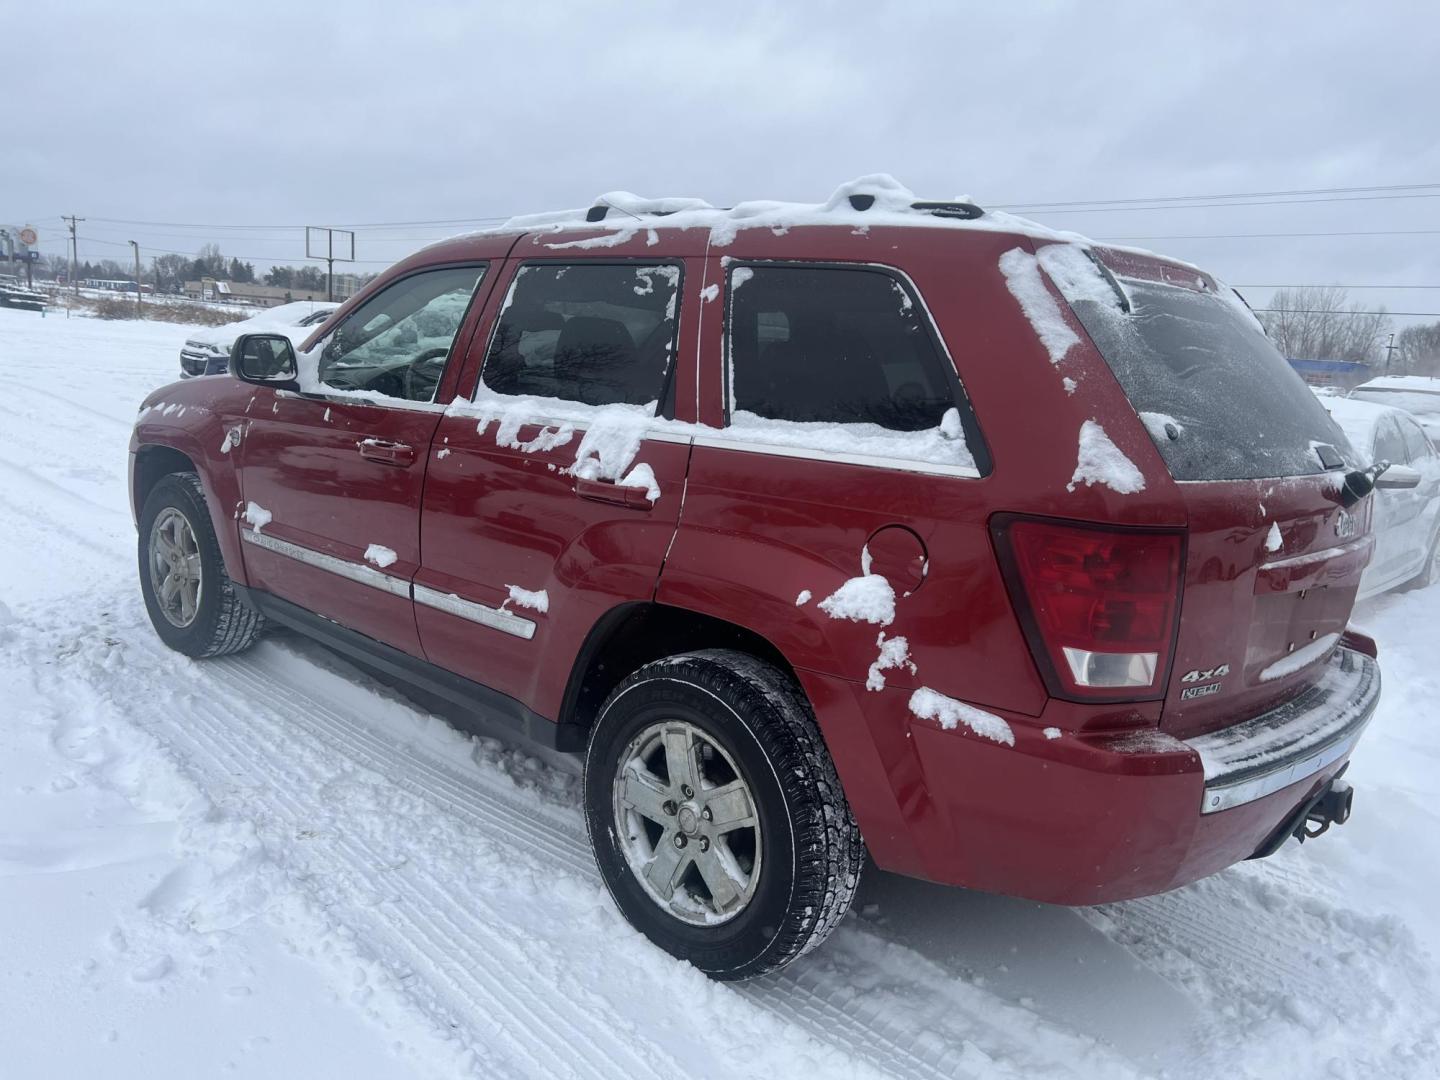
(1344, 524)
(1206, 675)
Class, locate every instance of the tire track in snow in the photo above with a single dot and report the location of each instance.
(992, 1036)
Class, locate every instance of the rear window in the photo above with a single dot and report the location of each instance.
(1218, 399)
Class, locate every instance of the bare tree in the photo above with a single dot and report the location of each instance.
(1417, 349)
(1320, 323)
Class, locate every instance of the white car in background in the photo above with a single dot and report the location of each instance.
(1418, 395)
(1406, 522)
(208, 351)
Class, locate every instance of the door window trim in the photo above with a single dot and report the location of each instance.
(665, 401)
(960, 399)
(335, 396)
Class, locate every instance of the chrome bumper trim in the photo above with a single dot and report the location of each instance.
(1293, 741)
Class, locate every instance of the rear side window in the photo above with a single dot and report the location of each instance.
(1224, 404)
(842, 361)
(836, 345)
(596, 333)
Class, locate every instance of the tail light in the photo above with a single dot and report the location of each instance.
(1099, 605)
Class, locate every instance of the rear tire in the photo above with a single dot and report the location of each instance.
(190, 599)
(785, 855)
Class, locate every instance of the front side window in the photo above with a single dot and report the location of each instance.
(1389, 446)
(1417, 444)
(396, 343)
(595, 333)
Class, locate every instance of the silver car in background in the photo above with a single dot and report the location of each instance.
(207, 352)
(1418, 395)
(1406, 522)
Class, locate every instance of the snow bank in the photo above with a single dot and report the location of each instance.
(869, 598)
(928, 704)
(1101, 462)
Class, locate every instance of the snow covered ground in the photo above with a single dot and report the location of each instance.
(272, 866)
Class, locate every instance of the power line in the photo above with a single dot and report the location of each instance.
(1222, 195)
(1318, 311)
(1273, 236)
(1322, 286)
(1225, 205)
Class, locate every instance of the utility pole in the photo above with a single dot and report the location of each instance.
(136, 246)
(1389, 350)
(74, 249)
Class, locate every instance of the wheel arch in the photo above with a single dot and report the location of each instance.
(152, 462)
(631, 635)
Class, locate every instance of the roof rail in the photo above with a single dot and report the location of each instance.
(951, 209)
(965, 210)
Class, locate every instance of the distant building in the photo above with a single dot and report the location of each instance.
(1343, 373)
(347, 285)
(235, 292)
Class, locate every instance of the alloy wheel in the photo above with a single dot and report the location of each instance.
(687, 823)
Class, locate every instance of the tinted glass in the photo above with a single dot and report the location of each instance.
(396, 342)
(833, 344)
(600, 333)
(1241, 411)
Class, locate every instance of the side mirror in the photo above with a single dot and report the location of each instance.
(1398, 477)
(265, 359)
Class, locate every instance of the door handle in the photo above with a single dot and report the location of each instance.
(608, 491)
(386, 452)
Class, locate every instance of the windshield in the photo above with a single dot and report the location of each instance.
(1217, 398)
(1418, 402)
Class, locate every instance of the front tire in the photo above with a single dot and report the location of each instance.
(190, 599)
(716, 815)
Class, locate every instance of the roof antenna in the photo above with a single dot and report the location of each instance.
(591, 215)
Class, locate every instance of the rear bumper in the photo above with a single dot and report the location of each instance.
(1090, 818)
(1294, 741)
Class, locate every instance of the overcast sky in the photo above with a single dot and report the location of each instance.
(276, 115)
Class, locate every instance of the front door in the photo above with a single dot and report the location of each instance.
(331, 478)
(553, 497)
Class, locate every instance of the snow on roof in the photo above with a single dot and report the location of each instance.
(1420, 383)
(887, 202)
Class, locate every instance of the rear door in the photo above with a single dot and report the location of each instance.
(332, 478)
(1273, 562)
(553, 496)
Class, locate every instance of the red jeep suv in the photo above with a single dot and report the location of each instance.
(879, 525)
